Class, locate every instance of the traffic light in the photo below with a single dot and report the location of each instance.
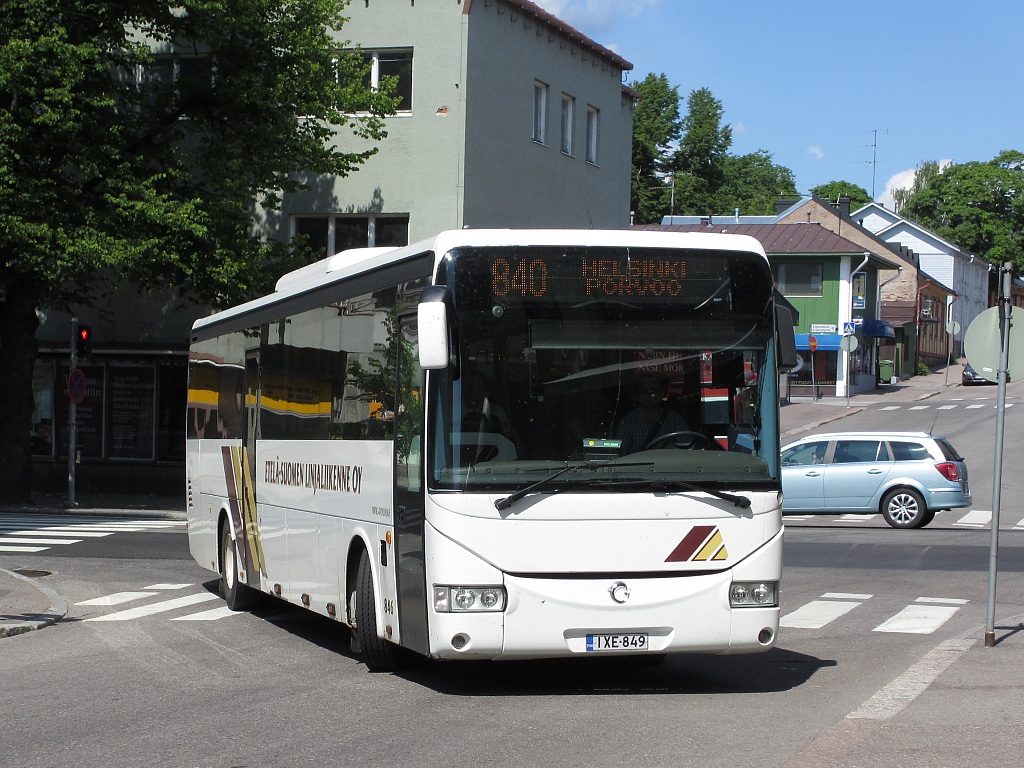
(83, 342)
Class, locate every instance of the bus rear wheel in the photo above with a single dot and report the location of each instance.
(238, 596)
(378, 654)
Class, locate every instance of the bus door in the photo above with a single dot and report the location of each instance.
(409, 492)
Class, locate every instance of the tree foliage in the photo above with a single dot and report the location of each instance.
(688, 169)
(832, 191)
(135, 137)
(978, 206)
(923, 175)
(656, 129)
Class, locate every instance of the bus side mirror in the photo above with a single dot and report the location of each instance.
(786, 338)
(432, 319)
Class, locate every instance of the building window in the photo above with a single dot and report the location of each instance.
(190, 78)
(540, 112)
(568, 110)
(391, 66)
(326, 235)
(799, 279)
(592, 115)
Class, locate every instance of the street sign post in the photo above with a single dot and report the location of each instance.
(988, 344)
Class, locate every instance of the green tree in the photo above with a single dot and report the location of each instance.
(656, 128)
(105, 175)
(978, 206)
(699, 162)
(753, 183)
(832, 191)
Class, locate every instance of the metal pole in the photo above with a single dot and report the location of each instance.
(1002, 375)
(72, 418)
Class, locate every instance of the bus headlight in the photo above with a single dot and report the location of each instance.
(465, 599)
(754, 594)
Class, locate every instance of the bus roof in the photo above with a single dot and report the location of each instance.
(358, 261)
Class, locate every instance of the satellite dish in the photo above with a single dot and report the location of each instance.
(982, 344)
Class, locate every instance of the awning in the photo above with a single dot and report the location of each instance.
(878, 329)
(827, 342)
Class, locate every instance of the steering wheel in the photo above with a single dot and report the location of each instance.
(696, 440)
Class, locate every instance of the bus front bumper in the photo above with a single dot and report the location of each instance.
(634, 614)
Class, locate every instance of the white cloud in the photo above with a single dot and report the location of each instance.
(818, 152)
(594, 13)
(738, 129)
(902, 180)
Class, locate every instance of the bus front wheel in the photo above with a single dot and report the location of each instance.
(378, 654)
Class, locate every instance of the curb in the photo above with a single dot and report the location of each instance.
(97, 511)
(820, 422)
(58, 609)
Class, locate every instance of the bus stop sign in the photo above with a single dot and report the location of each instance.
(78, 385)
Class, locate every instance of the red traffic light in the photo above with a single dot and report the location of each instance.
(83, 342)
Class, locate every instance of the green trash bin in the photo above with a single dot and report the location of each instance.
(886, 371)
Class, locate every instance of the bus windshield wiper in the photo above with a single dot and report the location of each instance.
(661, 485)
(507, 501)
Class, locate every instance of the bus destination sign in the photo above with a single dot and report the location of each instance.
(532, 278)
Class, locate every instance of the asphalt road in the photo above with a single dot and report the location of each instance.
(879, 659)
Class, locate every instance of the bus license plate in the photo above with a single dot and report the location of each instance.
(626, 641)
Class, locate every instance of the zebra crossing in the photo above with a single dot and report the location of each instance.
(946, 405)
(922, 617)
(178, 603)
(136, 604)
(35, 533)
(955, 518)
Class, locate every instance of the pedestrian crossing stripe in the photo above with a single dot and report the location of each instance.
(973, 518)
(32, 534)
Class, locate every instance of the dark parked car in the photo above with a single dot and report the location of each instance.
(971, 376)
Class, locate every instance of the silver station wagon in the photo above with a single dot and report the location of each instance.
(907, 476)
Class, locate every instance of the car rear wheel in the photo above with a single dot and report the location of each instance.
(904, 508)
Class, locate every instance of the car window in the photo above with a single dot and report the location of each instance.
(948, 451)
(856, 451)
(805, 453)
(902, 451)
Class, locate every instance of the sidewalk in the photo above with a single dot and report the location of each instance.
(26, 601)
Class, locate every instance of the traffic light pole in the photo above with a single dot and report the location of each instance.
(72, 418)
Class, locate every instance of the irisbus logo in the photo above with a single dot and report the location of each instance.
(702, 543)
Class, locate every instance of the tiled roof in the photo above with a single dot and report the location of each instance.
(775, 238)
(571, 32)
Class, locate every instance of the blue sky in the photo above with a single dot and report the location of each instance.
(816, 85)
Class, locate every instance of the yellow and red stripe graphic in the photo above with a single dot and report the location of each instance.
(242, 500)
(702, 543)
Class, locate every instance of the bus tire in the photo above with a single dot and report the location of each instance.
(238, 596)
(378, 654)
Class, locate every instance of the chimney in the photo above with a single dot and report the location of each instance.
(843, 204)
(783, 203)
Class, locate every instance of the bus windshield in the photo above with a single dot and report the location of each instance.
(617, 368)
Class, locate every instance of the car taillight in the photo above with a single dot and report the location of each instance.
(948, 470)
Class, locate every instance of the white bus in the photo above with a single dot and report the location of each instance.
(501, 444)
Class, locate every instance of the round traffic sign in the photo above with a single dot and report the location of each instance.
(812, 343)
(849, 343)
(982, 344)
(78, 386)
